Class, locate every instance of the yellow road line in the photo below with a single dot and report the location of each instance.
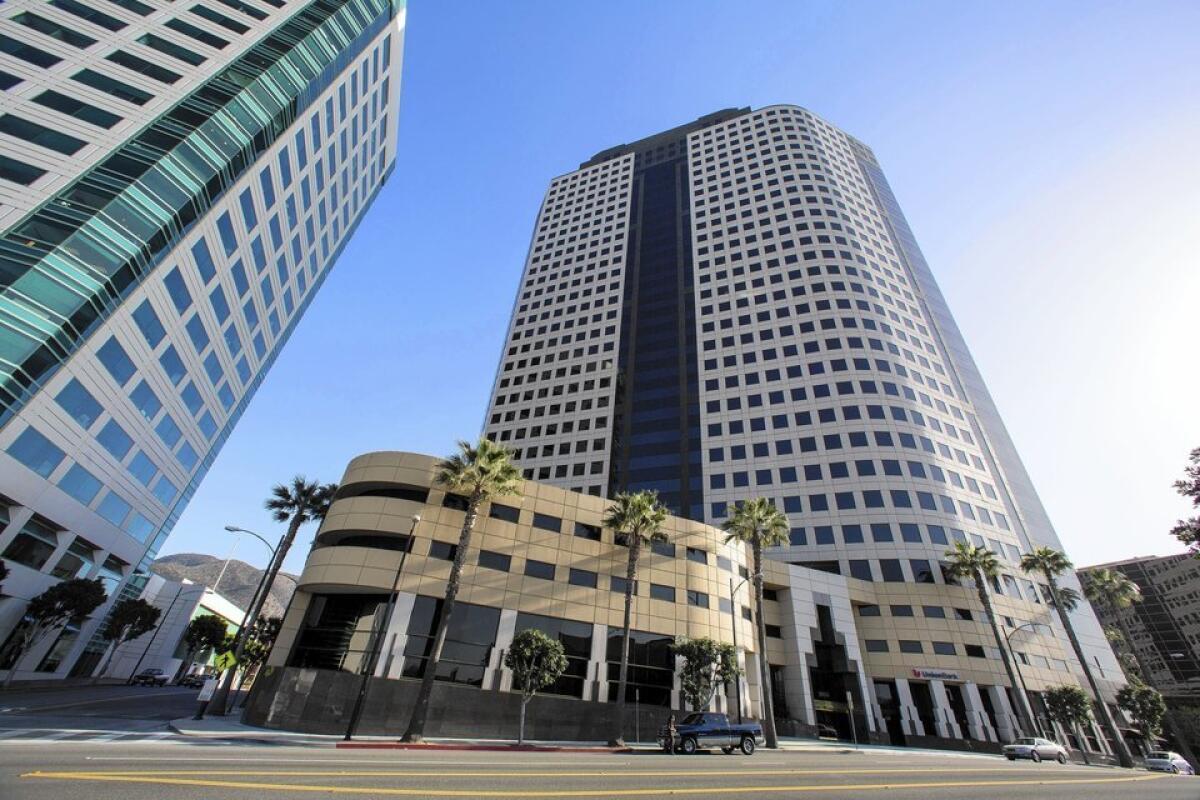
(599, 792)
(368, 773)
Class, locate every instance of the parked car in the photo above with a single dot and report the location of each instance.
(1166, 761)
(195, 680)
(712, 730)
(827, 732)
(1035, 749)
(150, 677)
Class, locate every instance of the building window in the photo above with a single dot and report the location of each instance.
(660, 592)
(116, 361)
(576, 639)
(910, 646)
(974, 651)
(663, 549)
(697, 555)
(585, 531)
(944, 649)
(547, 522)
(470, 637)
(891, 570)
(80, 484)
(33, 545)
(582, 577)
(539, 569)
(699, 599)
(505, 513)
(37, 452)
(149, 324)
(860, 568)
(494, 560)
(618, 584)
(79, 403)
(876, 645)
(443, 550)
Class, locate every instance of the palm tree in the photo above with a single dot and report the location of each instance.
(760, 524)
(979, 564)
(639, 518)
(480, 471)
(302, 501)
(1051, 563)
(1111, 589)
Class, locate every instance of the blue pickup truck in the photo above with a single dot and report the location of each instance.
(698, 731)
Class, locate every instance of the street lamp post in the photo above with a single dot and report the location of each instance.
(256, 603)
(379, 633)
(1037, 722)
(737, 679)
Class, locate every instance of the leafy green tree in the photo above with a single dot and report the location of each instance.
(536, 661)
(261, 638)
(480, 471)
(1050, 564)
(1145, 706)
(707, 665)
(1188, 530)
(759, 524)
(1070, 707)
(67, 601)
(637, 519)
(129, 619)
(205, 632)
(979, 564)
(300, 502)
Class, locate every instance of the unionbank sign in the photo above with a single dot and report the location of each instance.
(935, 675)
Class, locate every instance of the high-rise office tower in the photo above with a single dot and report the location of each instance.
(175, 183)
(736, 307)
(1162, 630)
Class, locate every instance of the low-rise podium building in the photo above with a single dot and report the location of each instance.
(914, 661)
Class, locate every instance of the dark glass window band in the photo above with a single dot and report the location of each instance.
(68, 264)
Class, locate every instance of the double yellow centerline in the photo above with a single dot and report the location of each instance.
(239, 779)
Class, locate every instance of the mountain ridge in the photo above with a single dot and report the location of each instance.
(237, 584)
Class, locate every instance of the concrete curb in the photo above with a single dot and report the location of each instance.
(493, 748)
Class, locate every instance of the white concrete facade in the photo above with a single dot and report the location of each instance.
(180, 602)
(105, 453)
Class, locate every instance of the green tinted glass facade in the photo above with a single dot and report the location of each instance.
(67, 265)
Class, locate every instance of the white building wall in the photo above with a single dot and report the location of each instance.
(132, 495)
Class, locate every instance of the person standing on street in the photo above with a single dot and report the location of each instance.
(671, 735)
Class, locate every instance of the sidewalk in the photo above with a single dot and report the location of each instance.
(230, 728)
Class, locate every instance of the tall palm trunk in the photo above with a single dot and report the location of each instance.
(1110, 727)
(764, 669)
(416, 725)
(617, 737)
(220, 698)
(1185, 749)
(1025, 712)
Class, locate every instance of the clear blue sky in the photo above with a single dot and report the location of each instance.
(1044, 153)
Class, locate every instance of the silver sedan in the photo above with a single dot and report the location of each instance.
(1035, 749)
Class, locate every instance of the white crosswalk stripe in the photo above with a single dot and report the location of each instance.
(17, 736)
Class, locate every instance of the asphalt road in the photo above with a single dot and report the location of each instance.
(171, 770)
(110, 709)
(86, 743)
